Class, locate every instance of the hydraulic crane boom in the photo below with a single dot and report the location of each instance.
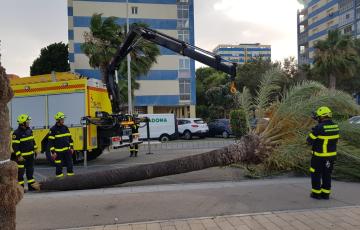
(136, 33)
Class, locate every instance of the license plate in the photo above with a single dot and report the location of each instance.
(116, 141)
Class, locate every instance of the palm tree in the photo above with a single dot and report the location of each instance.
(289, 118)
(336, 57)
(101, 43)
(10, 191)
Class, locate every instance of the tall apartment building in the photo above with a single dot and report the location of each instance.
(320, 16)
(243, 53)
(170, 85)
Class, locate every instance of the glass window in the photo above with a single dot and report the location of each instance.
(182, 23)
(183, 35)
(183, 11)
(185, 89)
(134, 10)
(348, 30)
(184, 63)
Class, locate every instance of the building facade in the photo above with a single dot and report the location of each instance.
(169, 87)
(243, 53)
(320, 16)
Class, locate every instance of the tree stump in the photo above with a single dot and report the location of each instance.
(10, 192)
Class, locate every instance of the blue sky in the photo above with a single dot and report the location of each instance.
(29, 25)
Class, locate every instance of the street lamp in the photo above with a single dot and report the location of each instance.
(128, 62)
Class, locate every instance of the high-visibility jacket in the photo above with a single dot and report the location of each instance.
(135, 129)
(23, 142)
(60, 138)
(324, 138)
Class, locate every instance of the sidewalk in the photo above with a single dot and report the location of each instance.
(319, 219)
(143, 204)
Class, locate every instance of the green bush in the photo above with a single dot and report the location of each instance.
(238, 122)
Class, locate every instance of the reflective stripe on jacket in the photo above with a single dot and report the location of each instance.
(23, 142)
(324, 138)
(60, 138)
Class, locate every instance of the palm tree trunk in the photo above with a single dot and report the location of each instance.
(10, 191)
(332, 81)
(244, 151)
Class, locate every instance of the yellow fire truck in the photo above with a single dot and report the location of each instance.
(43, 96)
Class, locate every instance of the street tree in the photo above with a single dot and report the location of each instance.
(336, 57)
(101, 43)
(54, 57)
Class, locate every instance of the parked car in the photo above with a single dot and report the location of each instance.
(220, 127)
(354, 120)
(189, 127)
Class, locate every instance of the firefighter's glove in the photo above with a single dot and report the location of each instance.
(53, 156)
(72, 151)
(20, 159)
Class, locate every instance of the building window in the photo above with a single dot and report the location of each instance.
(348, 29)
(358, 13)
(185, 88)
(358, 27)
(183, 23)
(134, 10)
(183, 11)
(314, 7)
(345, 5)
(184, 64)
(184, 35)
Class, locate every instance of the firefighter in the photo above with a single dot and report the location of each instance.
(323, 138)
(24, 147)
(61, 146)
(134, 148)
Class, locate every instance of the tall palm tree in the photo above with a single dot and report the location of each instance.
(288, 118)
(101, 43)
(336, 57)
(10, 191)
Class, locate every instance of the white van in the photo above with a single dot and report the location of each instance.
(162, 127)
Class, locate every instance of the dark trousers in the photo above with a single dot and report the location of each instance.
(64, 158)
(321, 169)
(134, 149)
(27, 167)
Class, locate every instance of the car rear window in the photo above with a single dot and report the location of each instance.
(199, 121)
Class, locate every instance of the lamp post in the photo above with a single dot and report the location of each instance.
(128, 62)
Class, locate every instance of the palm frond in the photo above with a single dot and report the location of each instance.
(268, 86)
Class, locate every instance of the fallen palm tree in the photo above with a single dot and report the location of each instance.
(10, 192)
(289, 119)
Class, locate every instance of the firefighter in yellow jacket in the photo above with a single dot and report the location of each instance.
(61, 146)
(24, 147)
(134, 148)
(323, 138)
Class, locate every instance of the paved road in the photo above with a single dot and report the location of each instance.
(316, 219)
(164, 202)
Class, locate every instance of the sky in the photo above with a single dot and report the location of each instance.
(26, 26)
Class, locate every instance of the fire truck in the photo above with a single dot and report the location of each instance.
(93, 107)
